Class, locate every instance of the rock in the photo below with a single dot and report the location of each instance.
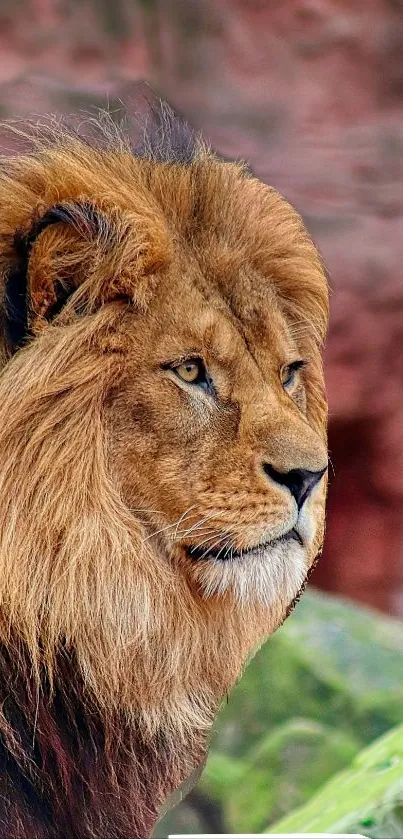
(366, 798)
(331, 662)
(326, 684)
(283, 771)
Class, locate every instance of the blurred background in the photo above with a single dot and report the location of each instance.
(310, 92)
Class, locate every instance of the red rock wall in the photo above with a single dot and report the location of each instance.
(310, 91)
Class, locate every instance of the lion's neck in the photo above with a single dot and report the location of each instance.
(67, 773)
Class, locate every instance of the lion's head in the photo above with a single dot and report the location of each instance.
(163, 418)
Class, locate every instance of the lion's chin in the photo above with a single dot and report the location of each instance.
(264, 574)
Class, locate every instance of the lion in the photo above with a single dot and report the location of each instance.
(164, 462)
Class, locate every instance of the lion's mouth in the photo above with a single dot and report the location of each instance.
(229, 553)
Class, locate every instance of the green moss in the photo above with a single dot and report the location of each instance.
(325, 685)
(282, 772)
(369, 794)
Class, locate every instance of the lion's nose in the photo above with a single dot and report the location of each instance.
(300, 482)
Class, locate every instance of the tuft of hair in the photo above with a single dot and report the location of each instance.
(168, 138)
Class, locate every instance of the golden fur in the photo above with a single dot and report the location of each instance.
(110, 467)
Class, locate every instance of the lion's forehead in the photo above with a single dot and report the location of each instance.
(230, 326)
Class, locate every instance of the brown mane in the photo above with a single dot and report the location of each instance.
(111, 679)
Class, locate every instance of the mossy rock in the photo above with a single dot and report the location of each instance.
(333, 662)
(334, 665)
(366, 798)
(281, 773)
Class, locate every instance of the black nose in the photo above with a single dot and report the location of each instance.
(300, 482)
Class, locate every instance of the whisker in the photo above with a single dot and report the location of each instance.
(225, 547)
(157, 532)
(176, 524)
(198, 524)
(217, 542)
(143, 510)
(213, 535)
(168, 526)
(208, 533)
(183, 517)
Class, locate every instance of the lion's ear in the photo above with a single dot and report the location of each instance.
(46, 268)
(75, 248)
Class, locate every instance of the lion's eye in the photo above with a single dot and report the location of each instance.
(193, 372)
(190, 371)
(289, 371)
